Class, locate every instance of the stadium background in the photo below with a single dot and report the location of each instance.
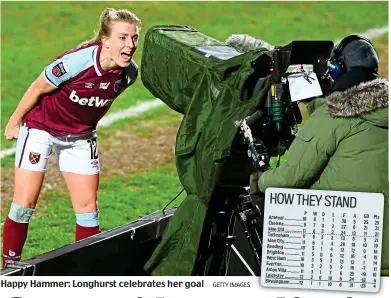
(138, 169)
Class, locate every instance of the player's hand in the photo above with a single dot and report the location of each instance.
(12, 131)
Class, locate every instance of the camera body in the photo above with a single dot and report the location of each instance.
(276, 122)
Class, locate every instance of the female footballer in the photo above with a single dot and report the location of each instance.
(60, 111)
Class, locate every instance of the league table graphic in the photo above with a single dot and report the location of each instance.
(329, 240)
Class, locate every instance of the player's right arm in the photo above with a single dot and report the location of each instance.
(38, 88)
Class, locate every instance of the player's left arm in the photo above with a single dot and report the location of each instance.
(104, 112)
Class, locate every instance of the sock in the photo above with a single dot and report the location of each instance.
(85, 232)
(15, 232)
(87, 224)
(14, 236)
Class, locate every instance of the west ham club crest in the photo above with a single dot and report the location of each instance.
(34, 157)
(117, 85)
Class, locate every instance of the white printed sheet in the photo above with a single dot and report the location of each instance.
(328, 240)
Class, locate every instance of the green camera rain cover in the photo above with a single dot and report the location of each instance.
(211, 84)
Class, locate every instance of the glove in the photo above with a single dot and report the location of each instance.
(254, 178)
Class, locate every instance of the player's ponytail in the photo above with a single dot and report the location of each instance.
(111, 15)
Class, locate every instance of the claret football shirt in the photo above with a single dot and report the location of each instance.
(83, 92)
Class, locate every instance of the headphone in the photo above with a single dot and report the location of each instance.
(335, 65)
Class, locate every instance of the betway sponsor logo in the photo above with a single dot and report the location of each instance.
(93, 101)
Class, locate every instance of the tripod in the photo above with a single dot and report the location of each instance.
(216, 258)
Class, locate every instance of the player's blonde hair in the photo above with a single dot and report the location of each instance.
(112, 15)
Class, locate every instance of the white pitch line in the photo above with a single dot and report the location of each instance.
(6, 152)
(146, 106)
(372, 33)
(130, 112)
(111, 118)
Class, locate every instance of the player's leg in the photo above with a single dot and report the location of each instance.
(31, 160)
(83, 190)
(79, 165)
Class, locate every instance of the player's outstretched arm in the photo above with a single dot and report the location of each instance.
(28, 101)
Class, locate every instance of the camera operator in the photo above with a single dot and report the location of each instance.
(344, 144)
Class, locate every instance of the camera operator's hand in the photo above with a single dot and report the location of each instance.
(259, 156)
(254, 178)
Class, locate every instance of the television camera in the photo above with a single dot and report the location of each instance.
(265, 134)
(235, 104)
(277, 119)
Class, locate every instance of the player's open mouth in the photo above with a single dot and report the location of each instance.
(126, 55)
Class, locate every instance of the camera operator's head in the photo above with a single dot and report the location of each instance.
(354, 60)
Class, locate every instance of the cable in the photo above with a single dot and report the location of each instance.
(172, 201)
(279, 152)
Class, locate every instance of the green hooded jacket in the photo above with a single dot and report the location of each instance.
(343, 146)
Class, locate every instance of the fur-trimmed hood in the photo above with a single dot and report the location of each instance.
(364, 100)
(245, 43)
